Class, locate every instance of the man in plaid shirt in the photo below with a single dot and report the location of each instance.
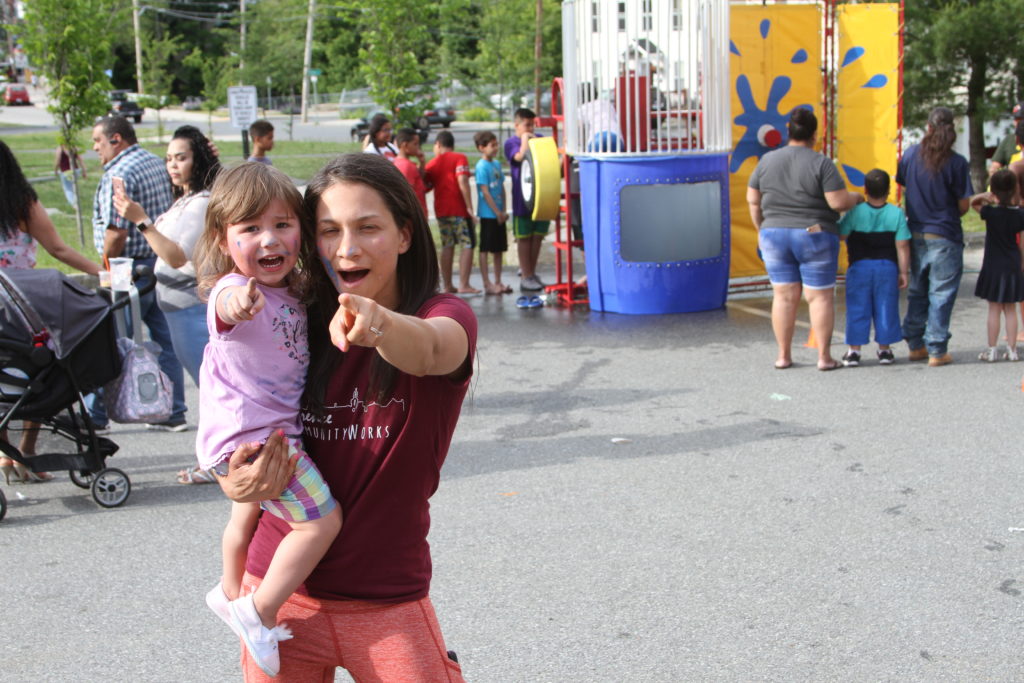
(146, 181)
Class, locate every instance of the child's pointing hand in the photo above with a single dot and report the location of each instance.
(242, 303)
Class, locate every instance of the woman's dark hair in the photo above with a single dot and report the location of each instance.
(417, 271)
(16, 194)
(1003, 185)
(803, 124)
(376, 123)
(205, 166)
(937, 143)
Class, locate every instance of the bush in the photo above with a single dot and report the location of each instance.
(478, 114)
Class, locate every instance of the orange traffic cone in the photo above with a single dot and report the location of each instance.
(812, 343)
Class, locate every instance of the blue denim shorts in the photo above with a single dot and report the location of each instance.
(797, 256)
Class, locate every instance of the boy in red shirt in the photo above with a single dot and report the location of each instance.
(449, 173)
(408, 142)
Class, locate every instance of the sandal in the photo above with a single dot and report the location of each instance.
(522, 302)
(196, 475)
(834, 366)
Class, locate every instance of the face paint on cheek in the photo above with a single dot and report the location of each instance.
(351, 252)
(333, 274)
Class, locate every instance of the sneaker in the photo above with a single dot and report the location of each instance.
(851, 359)
(260, 641)
(530, 284)
(988, 356)
(886, 357)
(169, 426)
(1011, 354)
(217, 601)
(937, 361)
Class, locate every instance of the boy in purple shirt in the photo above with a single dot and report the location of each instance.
(529, 233)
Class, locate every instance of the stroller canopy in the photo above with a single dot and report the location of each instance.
(33, 300)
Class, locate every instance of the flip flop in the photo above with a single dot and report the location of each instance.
(784, 367)
(522, 302)
(826, 368)
(196, 475)
(535, 302)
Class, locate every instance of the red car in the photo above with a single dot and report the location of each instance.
(16, 94)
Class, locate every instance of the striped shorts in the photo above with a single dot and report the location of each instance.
(307, 496)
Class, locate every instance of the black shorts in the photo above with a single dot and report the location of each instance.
(493, 236)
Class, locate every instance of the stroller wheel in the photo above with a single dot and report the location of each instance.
(3, 505)
(81, 478)
(110, 487)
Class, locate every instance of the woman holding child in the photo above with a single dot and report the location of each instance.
(391, 360)
(795, 196)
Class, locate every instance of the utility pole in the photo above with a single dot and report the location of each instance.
(307, 61)
(537, 44)
(241, 40)
(138, 47)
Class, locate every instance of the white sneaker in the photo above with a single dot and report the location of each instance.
(218, 601)
(260, 641)
(1011, 353)
(988, 356)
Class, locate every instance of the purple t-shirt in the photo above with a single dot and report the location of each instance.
(512, 146)
(253, 374)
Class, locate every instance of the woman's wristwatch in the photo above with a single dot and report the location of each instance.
(143, 227)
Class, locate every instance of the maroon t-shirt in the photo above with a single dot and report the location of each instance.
(383, 462)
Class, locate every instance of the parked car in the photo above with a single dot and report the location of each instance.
(361, 127)
(438, 114)
(121, 105)
(16, 94)
(192, 103)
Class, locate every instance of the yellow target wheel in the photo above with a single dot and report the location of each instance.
(540, 179)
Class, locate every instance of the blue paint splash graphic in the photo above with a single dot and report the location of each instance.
(766, 25)
(799, 57)
(876, 81)
(852, 55)
(855, 176)
(753, 117)
(733, 49)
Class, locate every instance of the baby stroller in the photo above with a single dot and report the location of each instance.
(58, 341)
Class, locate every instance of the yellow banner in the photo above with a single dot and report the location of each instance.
(775, 67)
(867, 91)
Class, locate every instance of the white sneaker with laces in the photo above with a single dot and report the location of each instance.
(260, 641)
(218, 601)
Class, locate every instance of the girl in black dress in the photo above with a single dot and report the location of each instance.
(1001, 282)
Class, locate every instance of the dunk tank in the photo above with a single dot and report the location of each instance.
(664, 109)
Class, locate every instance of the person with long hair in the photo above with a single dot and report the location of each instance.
(390, 362)
(378, 138)
(192, 168)
(23, 222)
(795, 196)
(937, 182)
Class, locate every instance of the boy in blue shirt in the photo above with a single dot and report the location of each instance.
(878, 246)
(490, 187)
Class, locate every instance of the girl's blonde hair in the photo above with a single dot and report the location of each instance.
(238, 195)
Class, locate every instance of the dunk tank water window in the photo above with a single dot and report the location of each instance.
(646, 110)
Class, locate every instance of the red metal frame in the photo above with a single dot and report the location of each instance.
(899, 98)
(565, 288)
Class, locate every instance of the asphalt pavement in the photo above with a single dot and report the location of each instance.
(627, 498)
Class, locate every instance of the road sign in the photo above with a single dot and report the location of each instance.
(242, 104)
(315, 72)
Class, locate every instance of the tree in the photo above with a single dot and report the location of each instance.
(216, 74)
(962, 55)
(396, 46)
(157, 54)
(67, 42)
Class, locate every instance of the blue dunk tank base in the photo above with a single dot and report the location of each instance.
(656, 232)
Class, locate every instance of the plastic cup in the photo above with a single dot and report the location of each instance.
(105, 278)
(120, 274)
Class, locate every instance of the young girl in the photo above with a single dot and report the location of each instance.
(252, 378)
(1000, 281)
